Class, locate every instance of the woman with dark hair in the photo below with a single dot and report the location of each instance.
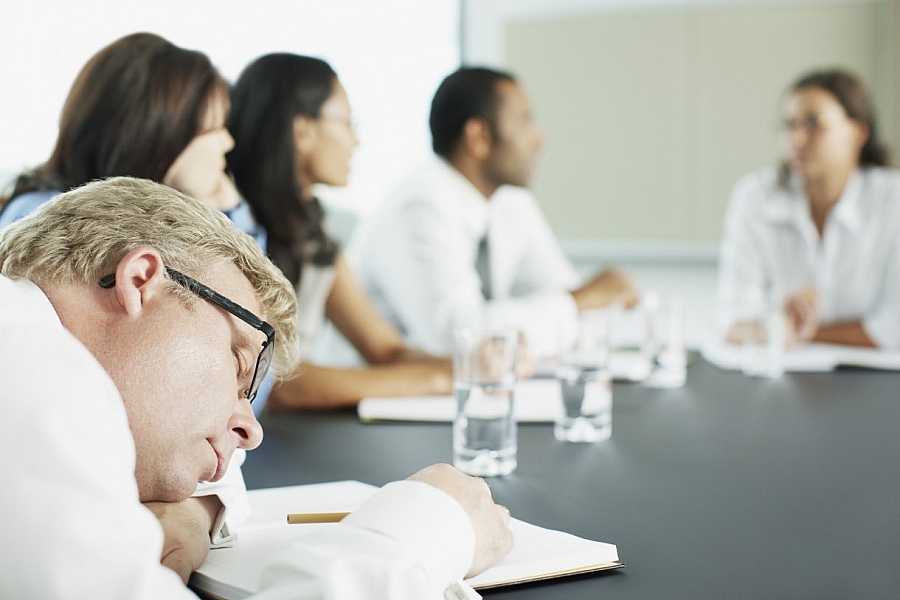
(290, 119)
(140, 107)
(821, 236)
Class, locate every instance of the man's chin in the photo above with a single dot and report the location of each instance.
(170, 490)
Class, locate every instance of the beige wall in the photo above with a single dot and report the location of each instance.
(651, 117)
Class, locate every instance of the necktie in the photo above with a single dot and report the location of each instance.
(483, 266)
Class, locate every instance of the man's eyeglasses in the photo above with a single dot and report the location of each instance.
(207, 293)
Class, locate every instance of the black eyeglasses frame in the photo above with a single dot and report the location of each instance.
(263, 361)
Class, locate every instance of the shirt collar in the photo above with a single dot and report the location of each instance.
(789, 204)
(24, 300)
(476, 210)
(848, 210)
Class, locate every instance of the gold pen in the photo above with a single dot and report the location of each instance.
(328, 517)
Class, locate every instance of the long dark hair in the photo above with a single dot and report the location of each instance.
(268, 95)
(851, 94)
(133, 108)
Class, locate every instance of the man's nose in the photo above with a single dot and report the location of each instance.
(246, 428)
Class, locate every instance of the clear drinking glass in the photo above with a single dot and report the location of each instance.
(484, 373)
(665, 347)
(762, 332)
(585, 383)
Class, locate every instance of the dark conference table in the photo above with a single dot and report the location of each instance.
(730, 487)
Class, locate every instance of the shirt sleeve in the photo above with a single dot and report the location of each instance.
(741, 264)
(70, 509)
(232, 493)
(540, 303)
(410, 541)
(882, 324)
(425, 271)
(543, 265)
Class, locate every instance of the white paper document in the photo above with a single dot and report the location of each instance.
(232, 573)
(624, 365)
(536, 401)
(807, 357)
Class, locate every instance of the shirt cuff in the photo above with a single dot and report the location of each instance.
(884, 330)
(232, 494)
(558, 325)
(431, 525)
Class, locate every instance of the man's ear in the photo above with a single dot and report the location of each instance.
(140, 276)
(477, 138)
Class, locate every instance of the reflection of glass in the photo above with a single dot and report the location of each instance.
(761, 331)
(665, 346)
(583, 376)
(651, 342)
(484, 431)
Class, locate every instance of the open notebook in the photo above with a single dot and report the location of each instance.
(232, 573)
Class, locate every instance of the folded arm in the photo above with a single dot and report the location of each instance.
(851, 333)
(186, 526)
(411, 540)
(316, 387)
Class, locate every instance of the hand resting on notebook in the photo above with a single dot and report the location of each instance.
(493, 539)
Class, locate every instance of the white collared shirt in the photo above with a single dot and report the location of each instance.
(74, 524)
(416, 257)
(770, 242)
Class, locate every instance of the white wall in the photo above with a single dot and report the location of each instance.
(390, 56)
(653, 108)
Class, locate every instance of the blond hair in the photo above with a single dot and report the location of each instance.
(82, 235)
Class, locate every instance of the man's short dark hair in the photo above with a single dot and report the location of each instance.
(469, 92)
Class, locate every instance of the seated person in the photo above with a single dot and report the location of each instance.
(820, 236)
(462, 240)
(291, 123)
(140, 107)
(129, 381)
(144, 107)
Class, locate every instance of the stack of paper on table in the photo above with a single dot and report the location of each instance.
(232, 573)
(537, 400)
(624, 365)
(807, 358)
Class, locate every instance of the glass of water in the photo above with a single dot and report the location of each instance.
(664, 345)
(484, 377)
(762, 332)
(585, 383)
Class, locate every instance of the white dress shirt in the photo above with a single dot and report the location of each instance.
(230, 489)
(312, 295)
(416, 257)
(771, 243)
(74, 525)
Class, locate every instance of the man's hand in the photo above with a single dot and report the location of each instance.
(608, 288)
(493, 539)
(186, 525)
